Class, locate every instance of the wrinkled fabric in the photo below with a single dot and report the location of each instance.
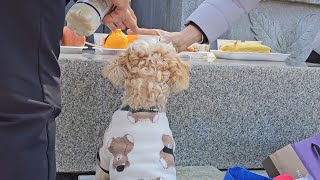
(215, 17)
(29, 87)
(239, 173)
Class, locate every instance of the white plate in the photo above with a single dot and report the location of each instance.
(250, 56)
(99, 37)
(149, 37)
(72, 49)
(194, 55)
(108, 51)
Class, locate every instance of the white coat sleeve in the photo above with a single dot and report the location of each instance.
(215, 17)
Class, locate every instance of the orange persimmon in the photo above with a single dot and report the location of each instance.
(116, 40)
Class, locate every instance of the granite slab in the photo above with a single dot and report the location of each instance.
(193, 173)
(234, 114)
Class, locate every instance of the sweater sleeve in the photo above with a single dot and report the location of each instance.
(215, 17)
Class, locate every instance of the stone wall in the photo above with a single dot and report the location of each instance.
(234, 114)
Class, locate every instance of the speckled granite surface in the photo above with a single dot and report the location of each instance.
(234, 113)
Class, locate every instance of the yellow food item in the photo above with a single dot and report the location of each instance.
(132, 38)
(116, 40)
(246, 47)
(196, 47)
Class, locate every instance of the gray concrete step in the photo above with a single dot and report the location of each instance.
(193, 173)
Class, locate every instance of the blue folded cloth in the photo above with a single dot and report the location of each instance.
(239, 173)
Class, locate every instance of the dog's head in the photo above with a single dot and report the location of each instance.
(148, 72)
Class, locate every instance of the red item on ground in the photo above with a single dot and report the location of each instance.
(284, 177)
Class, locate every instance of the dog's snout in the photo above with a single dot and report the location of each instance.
(120, 168)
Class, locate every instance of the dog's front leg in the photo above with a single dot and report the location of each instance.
(102, 171)
(101, 175)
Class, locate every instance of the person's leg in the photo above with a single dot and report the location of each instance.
(29, 87)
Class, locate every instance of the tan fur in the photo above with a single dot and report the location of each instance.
(148, 72)
(138, 116)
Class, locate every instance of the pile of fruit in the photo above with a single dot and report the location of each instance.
(116, 39)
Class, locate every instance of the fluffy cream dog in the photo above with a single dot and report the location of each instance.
(138, 145)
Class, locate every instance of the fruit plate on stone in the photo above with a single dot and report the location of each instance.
(108, 51)
(72, 49)
(250, 56)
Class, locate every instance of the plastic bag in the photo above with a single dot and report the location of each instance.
(239, 173)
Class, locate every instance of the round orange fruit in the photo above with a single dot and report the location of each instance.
(116, 40)
(132, 38)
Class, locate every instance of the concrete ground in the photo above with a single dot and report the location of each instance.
(191, 173)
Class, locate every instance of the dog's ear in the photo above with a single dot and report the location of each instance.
(116, 72)
(179, 74)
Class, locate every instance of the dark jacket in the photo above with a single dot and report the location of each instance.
(67, 1)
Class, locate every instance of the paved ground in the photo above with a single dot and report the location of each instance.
(192, 173)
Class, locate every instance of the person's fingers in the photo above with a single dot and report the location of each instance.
(109, 22)
(121, 19)
(112, 20)
(143, 31)
(131, 24)
(132, 13)
(121, 4)
(129, 31)
(120, 25)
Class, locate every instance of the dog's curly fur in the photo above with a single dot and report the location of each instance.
(148, 72)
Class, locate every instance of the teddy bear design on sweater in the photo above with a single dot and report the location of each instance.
(166, 154)
(120, 147)
(140, 116)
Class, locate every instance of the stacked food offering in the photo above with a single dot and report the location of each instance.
(71, 42)
(247, 50)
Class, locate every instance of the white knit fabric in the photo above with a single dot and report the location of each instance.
(135, 147)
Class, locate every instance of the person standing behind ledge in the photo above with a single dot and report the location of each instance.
(30, 34)
(209, 21)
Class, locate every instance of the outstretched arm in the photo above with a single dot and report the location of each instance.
(206, 24)
(214, 17)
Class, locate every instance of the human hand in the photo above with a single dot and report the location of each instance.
(121, 4)
(180, 40)
(121, 17)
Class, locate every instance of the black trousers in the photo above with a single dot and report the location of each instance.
(30, 33)
(313, 58)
